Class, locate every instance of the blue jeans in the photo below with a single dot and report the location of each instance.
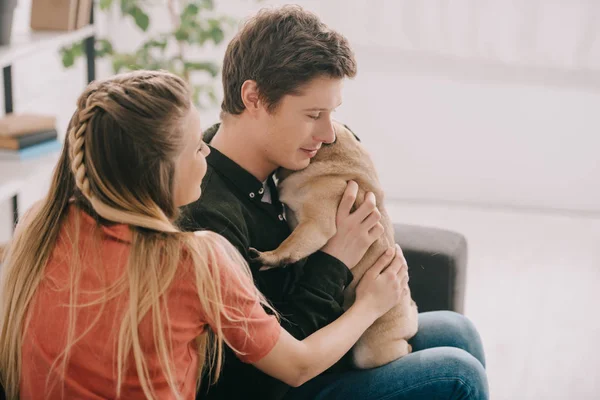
(447, 362)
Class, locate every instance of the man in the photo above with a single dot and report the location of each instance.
(282, 80)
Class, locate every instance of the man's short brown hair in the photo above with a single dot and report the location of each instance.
(282, 49)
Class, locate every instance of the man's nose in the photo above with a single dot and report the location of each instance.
(326, 133)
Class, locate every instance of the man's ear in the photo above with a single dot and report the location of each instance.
(250, 96)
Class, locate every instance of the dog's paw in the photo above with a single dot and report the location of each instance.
(269, 259)
(254, 254)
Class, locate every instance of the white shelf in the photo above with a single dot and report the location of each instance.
(30, 43)
(14, 175)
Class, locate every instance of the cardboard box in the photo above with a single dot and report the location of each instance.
(60, 15)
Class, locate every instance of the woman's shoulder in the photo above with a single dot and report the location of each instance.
(205, 245)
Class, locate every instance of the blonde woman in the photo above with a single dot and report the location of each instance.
(103, 297)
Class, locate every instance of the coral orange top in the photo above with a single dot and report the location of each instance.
(91, 371)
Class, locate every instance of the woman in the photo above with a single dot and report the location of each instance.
(102, 295)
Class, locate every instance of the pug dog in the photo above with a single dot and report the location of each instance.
(311, 197)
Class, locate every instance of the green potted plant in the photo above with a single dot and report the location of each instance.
(193, 27)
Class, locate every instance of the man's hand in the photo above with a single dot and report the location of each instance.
(356, 231)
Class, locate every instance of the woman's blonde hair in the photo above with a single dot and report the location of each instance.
(118, 162)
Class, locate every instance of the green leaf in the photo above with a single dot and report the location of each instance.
(141, 18)
(68, 58)
(194, 29)
(189, 25)
(181, 35)
(118, 65)
(126, 6)
(217, 35)
(196, 96)
(105, 4)
(158, 64)
(125, 61)
(207, 4)
(229, 21)
(78, 49)
(213, 96)
(71, 53)
(155, 43)
(215, 30)
(213, 23)
(190, 12)
(201, 36)
(204, 92)
(210, 67)
(103, 48)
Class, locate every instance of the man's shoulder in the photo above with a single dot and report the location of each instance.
(217, 204)
(216, 190)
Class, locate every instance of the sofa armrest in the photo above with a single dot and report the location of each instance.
(437, 265)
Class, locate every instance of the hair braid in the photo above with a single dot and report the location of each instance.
(77, 135)
(76, 143)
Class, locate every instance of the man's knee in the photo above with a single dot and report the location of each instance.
(439, 373)
(465, 374)
(461, 333)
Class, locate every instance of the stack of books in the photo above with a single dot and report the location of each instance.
(26, 136)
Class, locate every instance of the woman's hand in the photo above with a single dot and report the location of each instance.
(384, 284)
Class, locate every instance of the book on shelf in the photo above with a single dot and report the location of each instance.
(20, 142)
(22, 124)
(31, 152)
(84, 13)
(60, 15)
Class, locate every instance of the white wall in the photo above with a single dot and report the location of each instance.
(458, 139)
(482, 102)
(487, 103)
(476, 102)
(470, 101)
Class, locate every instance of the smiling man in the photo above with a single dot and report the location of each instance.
(282, 79)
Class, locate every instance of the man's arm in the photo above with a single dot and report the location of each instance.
(316, 299)
(312, 302)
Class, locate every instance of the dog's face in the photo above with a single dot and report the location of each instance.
(343, 149)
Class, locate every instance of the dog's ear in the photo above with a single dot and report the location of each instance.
(209, 133)
(349, 130)
(354, 134)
